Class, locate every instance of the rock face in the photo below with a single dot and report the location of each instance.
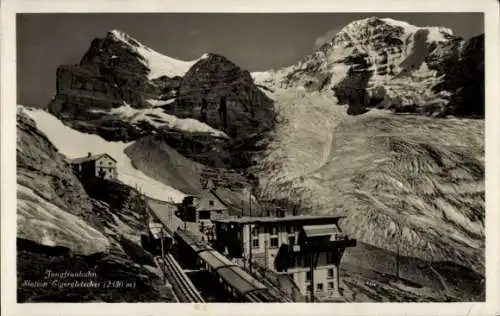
(45, 181)
(221, 94)
(118, 72)
(385, 63)
(462, 65)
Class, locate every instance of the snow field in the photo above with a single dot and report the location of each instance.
(75, 144)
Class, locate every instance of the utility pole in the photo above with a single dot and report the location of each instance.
(250, 244)
(162, 254)
(250, 234)
(250, 203)
(161, 241)
(266, 253)
(170, 215)
(397, 255)
(397, 262)
(185, 207)
(311, 269)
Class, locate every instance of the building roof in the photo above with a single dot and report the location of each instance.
(90, 158)
(272, 219)
(204, 199)
(157, 230)
(320, 230)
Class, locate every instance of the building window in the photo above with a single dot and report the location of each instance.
(290, 229)
(308, 275)
(319, 287)
(204, 215)
(100, 163)
(274, 242)
(109, 163)
(211, 203)
(274, 230)
(255, 231)
(308, 288)
(330, 273)
(330, 285)
(291, 240)
(255, 243)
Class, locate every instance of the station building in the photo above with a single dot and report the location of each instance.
(307, 248)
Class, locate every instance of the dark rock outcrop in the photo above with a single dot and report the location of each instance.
(462, 64)
(109, 75)
(224, 96)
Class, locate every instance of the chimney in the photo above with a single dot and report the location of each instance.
(89, 154)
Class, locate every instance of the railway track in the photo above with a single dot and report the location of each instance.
(283, 297)
(183, 288)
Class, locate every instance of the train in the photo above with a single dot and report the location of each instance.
(242, 286)
(158, 241)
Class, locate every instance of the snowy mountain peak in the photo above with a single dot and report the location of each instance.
(382, 62)
(375, 30)
(157, 63)
(125, 38)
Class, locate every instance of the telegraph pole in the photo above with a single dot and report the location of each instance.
(266, 252)
(250, 244)
(161, 241)
(185, 215)
(250, 202)
(185, 223)
(397, 262)
(250, 233)
(311, 269)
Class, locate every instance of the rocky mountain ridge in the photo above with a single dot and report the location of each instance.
(118, 74)
(385, 63)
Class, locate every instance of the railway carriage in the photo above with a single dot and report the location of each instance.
(241, 285)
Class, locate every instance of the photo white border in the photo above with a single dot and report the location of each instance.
(8, 157)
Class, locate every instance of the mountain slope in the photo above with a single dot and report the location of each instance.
(63, 227)
(163, 163)
(73, 144)
(46, 190)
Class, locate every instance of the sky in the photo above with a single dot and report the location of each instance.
(255, 42)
